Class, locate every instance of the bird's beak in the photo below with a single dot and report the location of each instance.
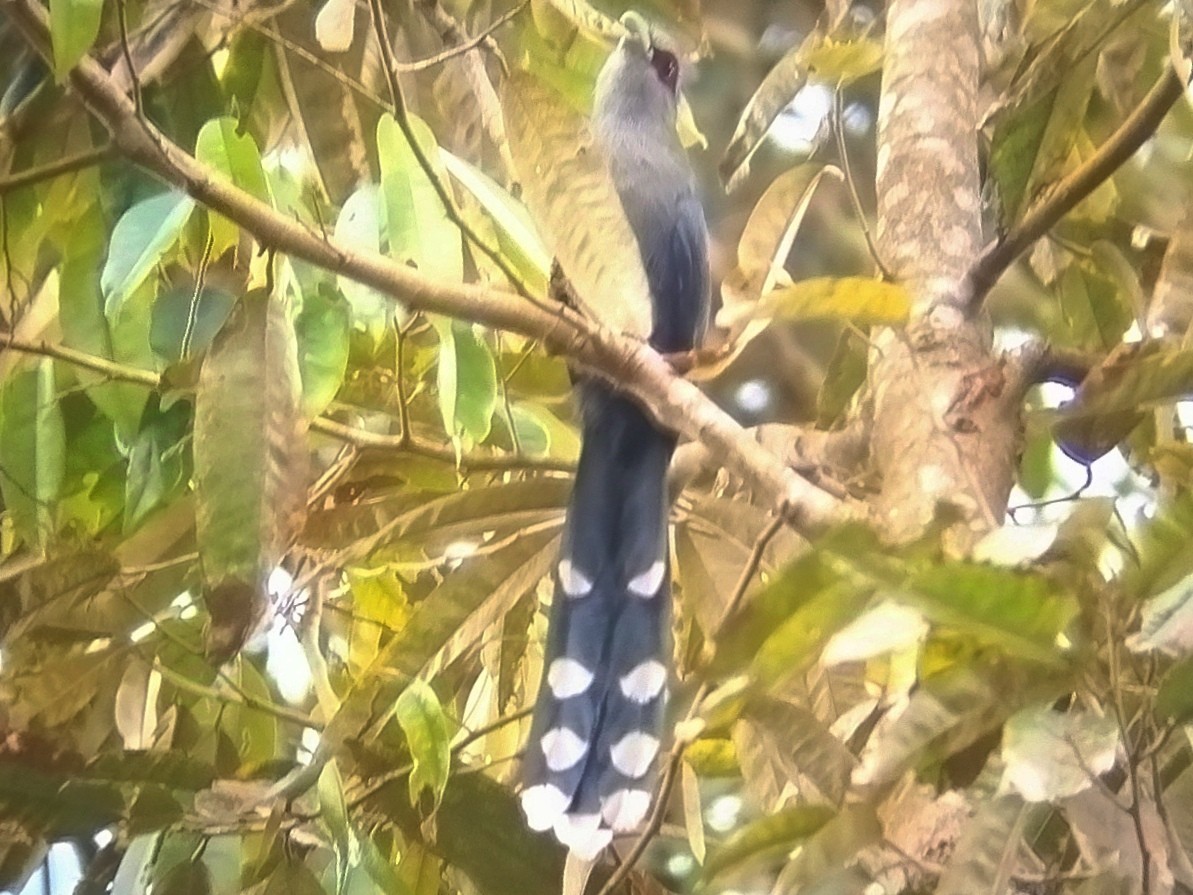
(637, 30)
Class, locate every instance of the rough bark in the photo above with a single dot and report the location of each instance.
(945, 414)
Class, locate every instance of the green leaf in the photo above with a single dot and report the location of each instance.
(1021, 612)
(817, 866)
(334, 810)
(1032, 140)
(418, 226)
(798, 745)
(235, 155)
(1174, 699)
(767, 838)
(157, 467)
(185, 878)
(845, 374)
(33, 446)
(1163, 549)
(1093, 306)
(250, 459)
(74, 25)
(139, 243)
(467, 382)
(449, 620)
(422, 720)
(573, 201)
(949, 711)
(1138, 376)
(361, 226)
(515, 229)
(322, 332)
(589, 19)
(185, 320)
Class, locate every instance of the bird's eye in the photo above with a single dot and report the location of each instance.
(666, 66)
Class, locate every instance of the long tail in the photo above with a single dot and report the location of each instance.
(590, 763)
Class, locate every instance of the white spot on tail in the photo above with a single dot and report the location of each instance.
(583, 834)
(648, 583)
(562, 748)
(574, 582)
(625, 809)
(644, 681)
(633, 753)
(543, 805)
(567, 678)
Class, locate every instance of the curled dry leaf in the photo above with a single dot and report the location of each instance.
(250, 464)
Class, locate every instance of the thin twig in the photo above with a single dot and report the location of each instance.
(48, 171)
(752, 563)
(127, 53)
(466, 44)
(843, 153)
(379, 782)
(658, 811)
(361, 438)
(1064, 195)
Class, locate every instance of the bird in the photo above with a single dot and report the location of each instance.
(590, 763)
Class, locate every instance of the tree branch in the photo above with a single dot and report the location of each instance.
(56, 168)
(1067, 192)
(628, 363)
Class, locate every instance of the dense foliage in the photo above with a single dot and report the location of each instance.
(276, 539)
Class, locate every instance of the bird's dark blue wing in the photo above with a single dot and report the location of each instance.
(590, 762)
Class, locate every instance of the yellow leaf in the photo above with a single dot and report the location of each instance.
(857, 299)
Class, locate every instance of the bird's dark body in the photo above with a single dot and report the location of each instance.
(591, 754)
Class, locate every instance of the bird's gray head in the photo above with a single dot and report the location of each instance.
(639, 83)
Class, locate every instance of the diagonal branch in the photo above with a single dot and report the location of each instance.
(628, 363)
(1066, 193)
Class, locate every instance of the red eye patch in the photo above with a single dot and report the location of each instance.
(666, 66)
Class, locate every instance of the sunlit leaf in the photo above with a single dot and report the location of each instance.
(421, 716)
(74, 25)
(467, 380)
(1167, 622)
(844, 61)
(233, 154)
(856, 299)
(514, 225)
(767, 838)
(322, 332)
(571, 196)
(139, 242)
(416, 221)
(949, 711)
(361, 226)
(334, 25)
(588, 19)
(1020, 612)
(33, 445)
